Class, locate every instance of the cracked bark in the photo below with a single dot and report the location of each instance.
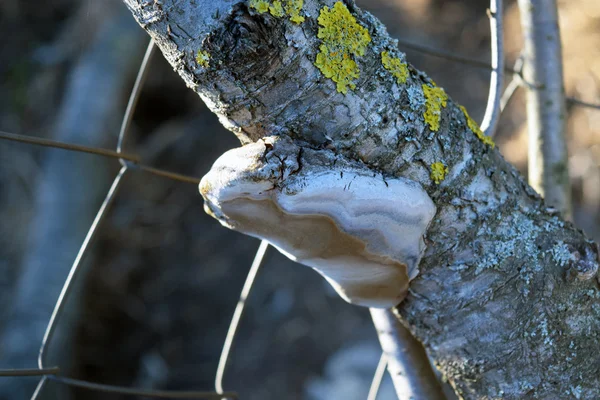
(507, 299)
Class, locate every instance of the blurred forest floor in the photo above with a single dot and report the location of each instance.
(164, 277)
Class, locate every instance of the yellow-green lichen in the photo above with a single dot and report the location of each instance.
(260, 5)
(293, 8)
(395, 66)
(343, 38)
(476, 129)
(338, 67)
(276, 9)
(202, 58)
(280, 8)
(438, 172)
(435, 99)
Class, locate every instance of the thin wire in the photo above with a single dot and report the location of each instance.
(39, 387)
(582, 103)
(237, 314)
(50, 329)
(143, 392)
(492, 110)
(478, 64)
(83, 251)
(29, 372)
(115, 389)
(133, 159)
(67, 146)
(432, 51)
(58, 308)
(134, 96)
(171, 175)
(377, 378)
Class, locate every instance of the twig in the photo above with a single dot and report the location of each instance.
(513, 85)
(408, 364)
(492, 111)
(511, 89)
(377, 378)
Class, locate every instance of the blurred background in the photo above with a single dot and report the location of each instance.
(156, 294)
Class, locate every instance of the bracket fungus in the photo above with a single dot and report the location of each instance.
(362, 232)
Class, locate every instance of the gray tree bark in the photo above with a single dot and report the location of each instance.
(507, 299)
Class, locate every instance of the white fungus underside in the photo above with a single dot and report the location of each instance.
(364, 234)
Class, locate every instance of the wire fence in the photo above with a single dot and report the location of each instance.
(130, 162)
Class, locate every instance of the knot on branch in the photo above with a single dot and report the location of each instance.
(248, 44)
(582, 267)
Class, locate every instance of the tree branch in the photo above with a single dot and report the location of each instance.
(407, 361)
(506, 299)
(546, 111)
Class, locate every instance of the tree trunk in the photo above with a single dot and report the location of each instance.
(506, 301)
(546, 108)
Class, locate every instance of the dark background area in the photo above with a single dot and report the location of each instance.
(163, 278)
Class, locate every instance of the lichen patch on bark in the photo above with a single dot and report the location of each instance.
(438, 172)
(343, 41)
(435, 100)
(474, 127)
(395, 66)
(280, 8)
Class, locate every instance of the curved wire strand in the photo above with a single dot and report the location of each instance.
(135, 95)
(64, 294)
(237, 314)
(100, 216)
(128, 391)
(163, 394)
